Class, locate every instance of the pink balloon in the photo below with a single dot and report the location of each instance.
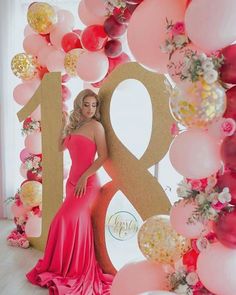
(99, 69)
(33, 226)
(87, 17)
(179, 219)
(44, 53)
(32, 44)
(24, 154)
(28, 31)
(216, 267)
(57, 33)
(23, 171)
(55, 61)
(195, 154)
(36, 115)
(33, 143)
(22, 93)
(18, 211)
(218, 20)
(146, 34)
(138, 277)
(66, 18)
(97, 7)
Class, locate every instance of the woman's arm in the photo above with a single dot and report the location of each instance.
(100, 140)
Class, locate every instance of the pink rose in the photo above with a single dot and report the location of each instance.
(218, 206)
(228, 127)
(178, 29)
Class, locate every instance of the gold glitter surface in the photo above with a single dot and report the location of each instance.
(199, 104)
(24, 66)
(31, 193)
(71, 60)
(159, 242)
(41, 17)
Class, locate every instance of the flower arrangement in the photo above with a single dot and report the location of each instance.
(176, 39)
(33, 163)
(186, 282)
(112, 4)
(18, 239)
(207, 197)
(196, 67)
(30, 126)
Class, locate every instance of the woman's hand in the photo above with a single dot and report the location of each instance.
(80, 188)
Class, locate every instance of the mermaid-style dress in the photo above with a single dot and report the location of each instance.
(69, 265)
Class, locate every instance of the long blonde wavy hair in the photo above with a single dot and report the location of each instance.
(75, 115)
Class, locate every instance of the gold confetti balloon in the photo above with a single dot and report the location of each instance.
(24, 66)
(159, 242)
(41, 17)
(71, 60)
(198, 104)
(31, 193)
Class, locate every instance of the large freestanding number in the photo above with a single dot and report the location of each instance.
(48, 97)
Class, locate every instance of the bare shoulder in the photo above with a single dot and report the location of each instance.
(97, 126)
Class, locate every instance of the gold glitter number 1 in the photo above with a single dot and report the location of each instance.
(48, 97)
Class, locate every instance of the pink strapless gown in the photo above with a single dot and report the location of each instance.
(69, 265)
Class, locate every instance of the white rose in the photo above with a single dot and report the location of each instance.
(210, 76)
(201, 198)
(179, 40)
(207, 65)
(202, 56)
(225, 196)
(192, 278)
(183, 290)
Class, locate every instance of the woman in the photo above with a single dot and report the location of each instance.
(69, 264)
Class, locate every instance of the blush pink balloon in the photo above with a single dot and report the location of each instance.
(66, 18)
(138, 277)
(22, 93)
(23, 171)
(28, 31)
(87, 17)
(36, 115)
(195, 154)
(218, 20)
(32, 44)
(57, 33)
(179, 219)
(24, 154)
(33, 226)
(18, 211)
(147, 31)
(216, 267)
(96, 72)
(33, 143)
(55, 61)
(96, 7)
(44, 53)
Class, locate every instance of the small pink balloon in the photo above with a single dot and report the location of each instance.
(32, 44)
(66, 18)
(18, 211)
(36, 115)
(33, 226)
(155, 278)
(99, 69)
(218, 20)
(22, 93)
(24, 154)
(44, 53)
(216, 267)
(145, 35)
(180, 214)
(195, 154)
(33, 143)
(23, 171)
(97, 7)
(57, 33)
(28, 31)
(87, 17)
(55, 61)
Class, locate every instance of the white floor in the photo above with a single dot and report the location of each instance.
(14, 263)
